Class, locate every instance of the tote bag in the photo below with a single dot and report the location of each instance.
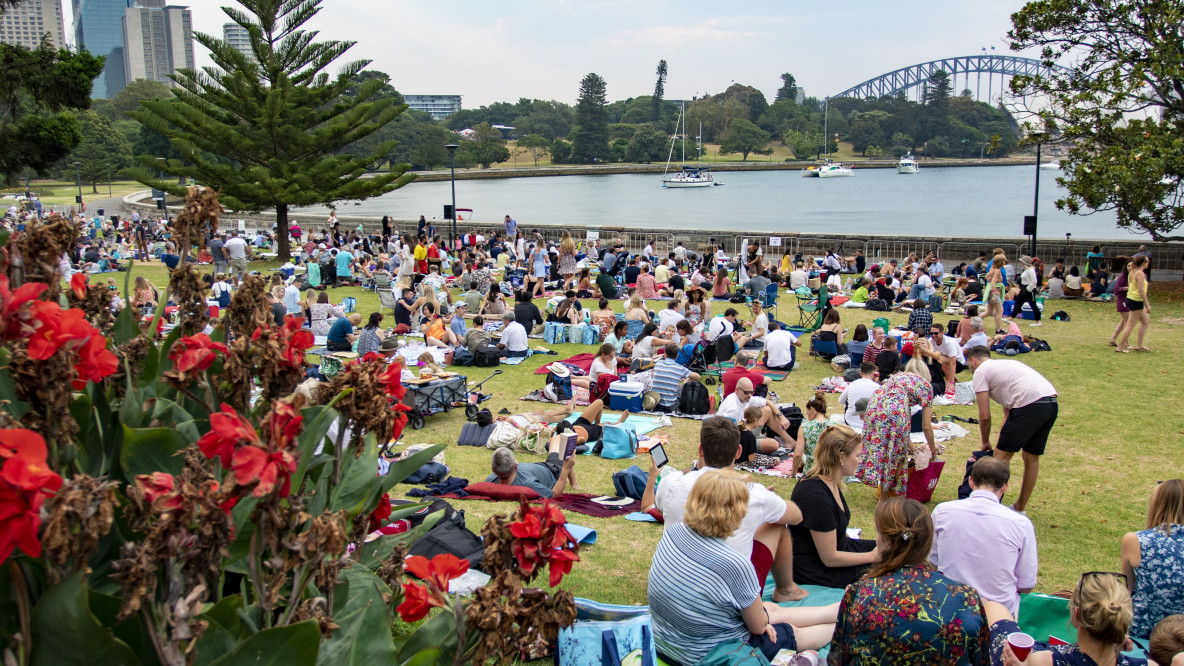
(607, 635)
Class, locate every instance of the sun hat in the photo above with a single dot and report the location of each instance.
(559, 370)
(1025, 261)
(389, 343)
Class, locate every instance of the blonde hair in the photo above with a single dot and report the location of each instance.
(277, 292)
(998, 261)
(718, 503)
(1167, 506)
(1103, 606)
(918, 368)
(567, 245)
(835, 442)
(636, 301)
(429, 362)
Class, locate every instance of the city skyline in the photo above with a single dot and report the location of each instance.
(522, 49)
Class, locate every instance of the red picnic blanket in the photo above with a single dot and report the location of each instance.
(578, 502)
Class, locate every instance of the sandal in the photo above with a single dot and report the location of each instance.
(1120, 350)
(1113, 343)
(1140, 349)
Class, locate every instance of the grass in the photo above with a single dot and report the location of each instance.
(65, 191)
(1118, 432)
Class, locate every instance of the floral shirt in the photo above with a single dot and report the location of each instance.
(913, 615)
(1158, 592)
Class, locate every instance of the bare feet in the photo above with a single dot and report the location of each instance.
(794, 593)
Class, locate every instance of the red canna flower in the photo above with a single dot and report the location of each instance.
(392, 379)
(283, 424)
(14, 319)
(46, 329)
(560, 564)
(227, 430)
(195, 353)
(20, 518)
(78, 285)
(22, 443)
(296, 340)
(417, 601)
(380, 513)
(252, 464)
(30, 476)
(438, 571)
(25, 483)
(159, 488)
(540, 539)
(94, 361)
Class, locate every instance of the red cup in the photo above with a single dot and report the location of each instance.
(1021, 644)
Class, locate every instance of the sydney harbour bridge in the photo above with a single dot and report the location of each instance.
(966, 73)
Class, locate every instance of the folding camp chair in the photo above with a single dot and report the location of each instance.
(387, 299)
(769, 298)
(825, 349)
(811, 314)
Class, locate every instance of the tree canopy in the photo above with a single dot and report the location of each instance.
(745, 137)
(1119, 108)
(590, 140)
(269, 136)
(103, 153)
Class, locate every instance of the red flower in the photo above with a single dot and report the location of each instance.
(46, 329)
(20, 518)
(94, 360)
(380, 513)
(21, 443)
(252, 464)
(392, 379)
(196, 352)
(283, 424)
(227, 430)
(13, 322)
(78, 285)
(417, 601)
(25, 483)
(296, 340)
(540, 538)
(160, 490)
(561, 561)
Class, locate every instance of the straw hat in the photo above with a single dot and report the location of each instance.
(1025, 261)
(559, 370)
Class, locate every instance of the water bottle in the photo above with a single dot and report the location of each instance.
(587, 315)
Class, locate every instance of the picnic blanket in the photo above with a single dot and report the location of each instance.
(515, 360)
(578, 502)
(578, 392)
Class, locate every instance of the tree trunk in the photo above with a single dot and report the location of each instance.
(282, 246)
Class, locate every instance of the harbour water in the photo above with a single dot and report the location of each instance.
(962, 202)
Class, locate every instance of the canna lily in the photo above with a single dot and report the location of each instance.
(252, 464)
(227, 430)
(78, 285)
(195, 353)
(283, 424)
(159, 488)
(12, 304)
(296, 340)
(380, 513)
(436, 574)
(22, 443)
(540, 539)
(417, 602)
(20, 518)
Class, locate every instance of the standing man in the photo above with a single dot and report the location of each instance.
(141, 235)
(216, 243)
(982, 543)
(511, 227)
(235, 250)
(1029, 411)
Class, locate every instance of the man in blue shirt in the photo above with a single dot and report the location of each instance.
(170, 258)
(456, 320)
(547, 478)
(345, 262)
(341, 333)
(511, 227)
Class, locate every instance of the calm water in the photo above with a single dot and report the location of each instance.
(956, 201)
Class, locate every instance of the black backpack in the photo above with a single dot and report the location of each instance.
(487, 356)
(952, 328)
(693, 399)
(448, 537)
(737, 297)
(876, 305)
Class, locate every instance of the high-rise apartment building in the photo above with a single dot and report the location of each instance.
(239, 40)
(98, 27)
(157, 41)
(438, 106)
(26, 23)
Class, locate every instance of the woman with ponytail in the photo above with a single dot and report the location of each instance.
(1100, 609)
(812, 427)
(903, 611)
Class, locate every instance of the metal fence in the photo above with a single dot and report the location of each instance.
(879, 251)
(952, 253)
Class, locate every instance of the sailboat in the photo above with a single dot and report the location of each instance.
(696, 175)
(828, 169)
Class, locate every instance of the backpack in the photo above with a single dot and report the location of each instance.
(734, 653)
(462, 356)
(487, 356)
(451, 515)
(952, 328)
(630, 482)
(448, 537)
(557, 389)
(693, 399)
(876, 305)
(737, 297)
(1060, 315)
(936, 304)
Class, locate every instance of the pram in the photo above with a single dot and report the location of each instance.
(441, 395)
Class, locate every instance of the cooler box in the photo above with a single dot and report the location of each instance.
(625, 396)
(921, 484)
(1008, 306)
(1026, 312)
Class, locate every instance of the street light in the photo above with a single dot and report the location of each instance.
(78, 181)
(452, 167)
(1038, 135)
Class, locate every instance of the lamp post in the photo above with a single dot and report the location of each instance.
(78, 181)
(452, 167)
(1038, 135)
(109, 195)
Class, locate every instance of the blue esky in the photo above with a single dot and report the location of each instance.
(500, 51)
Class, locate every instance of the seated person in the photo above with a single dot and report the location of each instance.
(742, 398)
(1100, 610)
(888, 360)
(669, 317)
(831, 331)
(703, 593)
(476, 336)
(860, 389)
(973, 289)
(861, 293)
(823, 553)
(568, 311)
(944, 357)
(473, 298)
(1073, 286)
(587, 426)
(547, 478)
(1167, 641)
(755, 287)
(1100, 284)
(963, 332)
(455, 320)
(620, 342)
(920, 317)
(648, 345)
(513, 341)
(752, 444)
(605, 285)
(759, 326)
(435, 331)
(977, 338)
(734, 374)
(668, 376)
(902, 610)
(1154, 556)
(341, 333)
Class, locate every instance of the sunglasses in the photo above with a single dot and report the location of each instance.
(934, 334)
(1099, 574)
(743, 392)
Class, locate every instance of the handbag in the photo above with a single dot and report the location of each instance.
(607, 635)
(591, 335)
(618, 440)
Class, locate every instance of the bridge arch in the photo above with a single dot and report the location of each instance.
(915, 76)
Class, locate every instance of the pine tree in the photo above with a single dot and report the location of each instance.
(659, 92)
(788, 89)
(590, 141)
(267, 135)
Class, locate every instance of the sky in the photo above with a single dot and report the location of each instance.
(500, 51)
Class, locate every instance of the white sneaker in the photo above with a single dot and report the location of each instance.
(1022, 513)
(1036, 324)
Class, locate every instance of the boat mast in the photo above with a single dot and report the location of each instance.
(825, 130)
(683, 115)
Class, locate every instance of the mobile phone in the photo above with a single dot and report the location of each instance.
(571, 446)
(659, 455)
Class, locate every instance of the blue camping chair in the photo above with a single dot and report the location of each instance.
(769, 298)
(825, 348)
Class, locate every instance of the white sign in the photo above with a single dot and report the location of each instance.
(593, 235)
(242, 225)
(774, 241)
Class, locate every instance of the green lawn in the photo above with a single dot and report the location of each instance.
(57, 193)
(1119, 432)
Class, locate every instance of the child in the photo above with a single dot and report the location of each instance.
(888, 360)
(753, 447)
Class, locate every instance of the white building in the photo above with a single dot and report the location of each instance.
(439, 106)
(26, 23)
(157, 41)
(239, 40)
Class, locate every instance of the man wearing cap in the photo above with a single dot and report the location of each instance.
(389, 347)
(1029, 287)
(456, 322)
(1029, 412)
(514, 342)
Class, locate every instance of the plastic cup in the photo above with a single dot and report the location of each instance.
(1021, 644)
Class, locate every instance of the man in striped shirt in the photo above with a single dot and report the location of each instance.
(668, 377)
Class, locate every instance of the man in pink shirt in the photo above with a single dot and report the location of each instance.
(1029, 412)
(982, 543)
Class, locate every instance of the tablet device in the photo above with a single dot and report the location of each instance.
(659, 455)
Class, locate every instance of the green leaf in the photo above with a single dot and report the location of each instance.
(364, 635)
(316, 423)
(438, 632)
(150, 366)
(224, 614)
(399, 470)
(65, 631)
(428, 657)
(148, 450)
(131, 631)
(16, 408)
(126, 326)
(357, 475)
(373, 553)
(293, 645)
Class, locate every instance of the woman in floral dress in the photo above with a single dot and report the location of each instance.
(812, 426)
(886, 429)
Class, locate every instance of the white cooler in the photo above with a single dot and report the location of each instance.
(625, 396)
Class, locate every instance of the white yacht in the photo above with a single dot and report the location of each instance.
(834, 170)
(690, 176)
(695, 175)
(1051, 166)
(908, 164)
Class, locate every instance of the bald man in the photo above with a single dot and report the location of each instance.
(741, 399)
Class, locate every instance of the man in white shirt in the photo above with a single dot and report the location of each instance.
(762, 536)
(943, 356)
(922, 288)
(863, 387)
(742, 398)
(779, 344)
(726, 325)
(798, 277)
(513, 342)
(235, 250)
(982, 543)
(292, 299)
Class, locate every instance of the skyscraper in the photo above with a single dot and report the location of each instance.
(25, 24)
(239, 39)
(98, 27)
(157, 41)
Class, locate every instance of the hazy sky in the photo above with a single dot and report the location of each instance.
(500, 51)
